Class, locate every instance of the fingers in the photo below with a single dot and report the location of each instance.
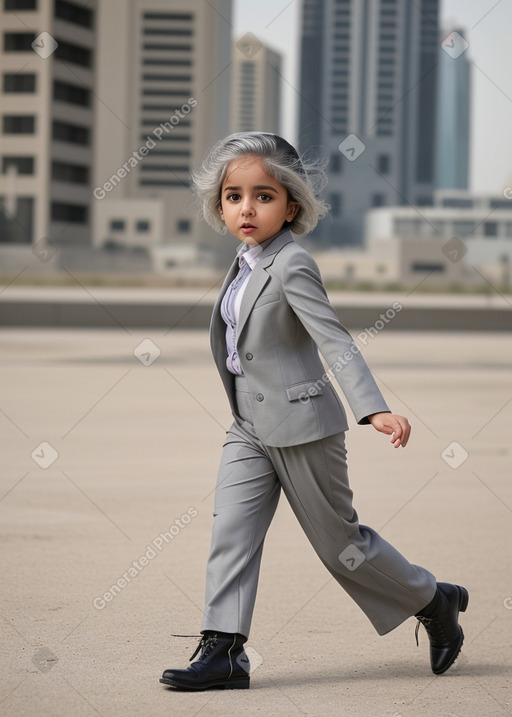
(401, 431)
(398, 427)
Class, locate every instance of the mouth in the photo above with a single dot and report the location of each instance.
(247, 225)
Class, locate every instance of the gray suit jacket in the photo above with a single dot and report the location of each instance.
(285, 319)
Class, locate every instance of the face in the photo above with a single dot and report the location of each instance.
(254, 205)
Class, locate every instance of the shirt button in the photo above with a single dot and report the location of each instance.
(249, 357)
(259, 397)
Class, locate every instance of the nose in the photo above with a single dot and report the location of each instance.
(246, 208)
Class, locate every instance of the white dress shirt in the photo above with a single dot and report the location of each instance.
(232, 300)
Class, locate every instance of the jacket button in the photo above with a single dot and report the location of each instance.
(259, 397)
(249, 357)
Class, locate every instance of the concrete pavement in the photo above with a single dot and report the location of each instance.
(109, 462)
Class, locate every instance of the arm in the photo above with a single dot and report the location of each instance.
(307, 297)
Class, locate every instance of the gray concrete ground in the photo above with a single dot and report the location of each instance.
(136, 444)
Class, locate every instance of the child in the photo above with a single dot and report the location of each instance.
(270, 320)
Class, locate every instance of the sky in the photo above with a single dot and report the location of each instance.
(488, 25)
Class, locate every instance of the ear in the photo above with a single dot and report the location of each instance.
(291, 212)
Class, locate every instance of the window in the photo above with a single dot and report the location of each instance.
(77, 54)
(427, 267)
(171, 93)
(20, 5)
(159, 61)
(164, 168)
(165, 78)
(168, 16)
(73, 94)
(183, 226)
(164, 183)
(14, 82)
(117, 225)
(378, 200)
(491, 229)
(73, 13)
(335, 200)
(407, 227)
(384, 163)
(74, 173)
(142, 225)
(500, 204)
(176, 32)
(166, 46)
(23, 165)
(463, 228)
(18, 41)
(19, 124)
(169, 138)
(440, 227)
(17, 229)
(72, 213)
(72, 133)
(335, 165)
(457, 203)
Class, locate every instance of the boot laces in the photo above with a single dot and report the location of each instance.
(434, 628)
(206, 645)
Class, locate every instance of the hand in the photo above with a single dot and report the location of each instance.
(398, 427)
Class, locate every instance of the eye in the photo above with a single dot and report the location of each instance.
(234, 197)
(265, 198)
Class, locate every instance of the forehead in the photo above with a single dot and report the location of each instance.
(247, 170)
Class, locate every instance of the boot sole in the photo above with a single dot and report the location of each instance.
(239, 683)
(463, 604)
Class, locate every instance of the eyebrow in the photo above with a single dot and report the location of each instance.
(258, 186)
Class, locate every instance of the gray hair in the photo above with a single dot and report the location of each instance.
(303, 179)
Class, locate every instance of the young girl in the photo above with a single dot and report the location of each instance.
(271, 319)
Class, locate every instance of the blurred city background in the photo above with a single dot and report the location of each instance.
(112, 412)
(107, 105)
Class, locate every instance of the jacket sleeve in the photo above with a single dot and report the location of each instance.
(306, 295)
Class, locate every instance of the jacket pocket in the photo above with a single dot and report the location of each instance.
(267, 299)
(303, 391)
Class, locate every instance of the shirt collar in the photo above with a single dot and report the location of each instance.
(251, 255)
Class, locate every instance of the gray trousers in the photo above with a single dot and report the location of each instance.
(314, 479)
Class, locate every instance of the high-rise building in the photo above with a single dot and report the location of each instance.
(368, 99)
(163, 97)
(256, 86)
(47, 63)
(453, 116)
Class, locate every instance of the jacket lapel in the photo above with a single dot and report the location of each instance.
(232, 272)
(260, 277)
(257, 281)
(217, 325)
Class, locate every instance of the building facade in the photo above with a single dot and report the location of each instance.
(256, 86)
(47, 66)
(163, 99)
(368, 99)
(453, 117)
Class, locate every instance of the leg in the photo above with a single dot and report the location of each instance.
(246, 498)
(382, 582)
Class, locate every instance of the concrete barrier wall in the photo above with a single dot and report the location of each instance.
(196, 315)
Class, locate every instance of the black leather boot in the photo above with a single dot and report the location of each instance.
(222, 663)
(440, 619)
